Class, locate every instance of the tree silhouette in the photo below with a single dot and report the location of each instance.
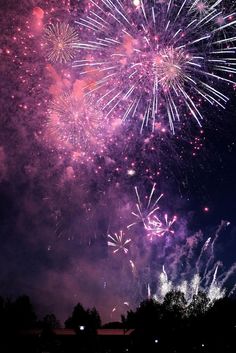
(24, 314)
(49, 322)
(147, 315)
(171, 326)
(1, 312)
(19, 314)
(85, 323)
(83, 318)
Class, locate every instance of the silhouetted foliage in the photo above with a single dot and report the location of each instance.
(173, 326)
(23, 313)
(49, 322)
(49, 341)
(147, 314)
(18, 314)
(81, 317)
(2, 313)
(85, 323)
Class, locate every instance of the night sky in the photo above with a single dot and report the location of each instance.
(59, 199)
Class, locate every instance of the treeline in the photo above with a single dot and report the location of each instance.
(20, 314)
(171, 326)
(178, 326)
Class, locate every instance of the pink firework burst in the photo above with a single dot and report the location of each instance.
(74, 123)
(118, 242)
(157, 228)
(60, 40)
(145, 209)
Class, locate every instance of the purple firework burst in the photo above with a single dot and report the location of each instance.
(157, 61)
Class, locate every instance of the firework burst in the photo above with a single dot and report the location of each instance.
(157, 61)
(75, 123)
(144, 212)
(157, 228)
(60, 40)
(147, 214)
(118, 242)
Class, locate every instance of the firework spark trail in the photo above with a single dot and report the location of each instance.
(211, 282)
(60, 41)
(149, 291)
(196, 274)
(195, 283)
(115, 308)
(215, 291)
(165, 284)
(228, 274)
(204, 248)
(157, 59)
(189, 274)
(133, 267)
(188, 252)
(214, 276)
(189, 288)
(191, 280)
(207, 278)
(217, 234)
(232, 290)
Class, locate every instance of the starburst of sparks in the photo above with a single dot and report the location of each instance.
(157, 61)
(157, 228)
(144, 212)
(75, 123)
(119, 242)
(147, 213)
(60, 40)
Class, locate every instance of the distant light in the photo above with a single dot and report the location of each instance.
(203, 345)
(82, 328)
(206, 209)
(136, 2)
(131, 172)
(156, 341)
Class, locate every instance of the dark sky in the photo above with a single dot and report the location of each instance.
(57, 207)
